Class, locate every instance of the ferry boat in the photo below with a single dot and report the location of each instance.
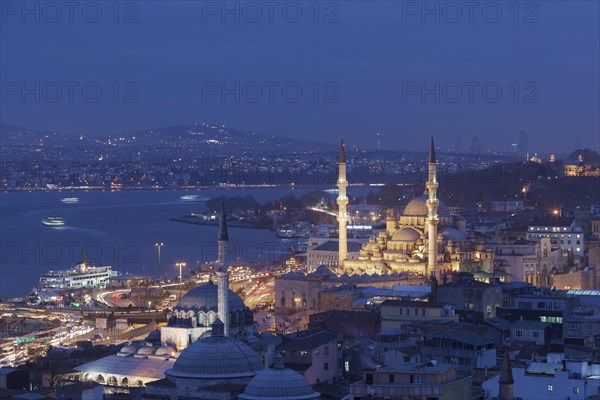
(82, 276)
(53, 222)
(70, 200)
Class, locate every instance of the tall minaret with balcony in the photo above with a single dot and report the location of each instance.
(342, 216)
(223, 273)
(432, 217)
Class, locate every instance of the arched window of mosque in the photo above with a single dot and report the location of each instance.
(100, 379)
(112, 381)
(211, 317)
(139, 383)
(125, 382)
(201, 318)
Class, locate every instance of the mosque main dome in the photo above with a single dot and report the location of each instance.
(417, 207)
(406, 235)
(205, 298)
(216, 357)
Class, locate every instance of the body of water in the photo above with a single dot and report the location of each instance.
(120, 229)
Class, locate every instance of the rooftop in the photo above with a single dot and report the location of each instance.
(308, 340)
(333, 245)
(128, 366)
(417, 367)
(411, 303)
(553, 221)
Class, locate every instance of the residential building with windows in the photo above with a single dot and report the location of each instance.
(396, 313)
(426, 381)
(456, 344)
(562, 231)
(316, 355)
(530, 331)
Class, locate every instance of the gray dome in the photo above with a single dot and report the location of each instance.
(453, 234)
(278, 383)
(215, 357)
(406, 235)
(205, 298)
(165, 351)
(128, 349)
(417, 207)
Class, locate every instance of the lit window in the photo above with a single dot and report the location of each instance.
(550, 388)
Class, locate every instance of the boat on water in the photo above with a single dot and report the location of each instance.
(192, 197)
(81, 276)
(70, 200)
(53, 222)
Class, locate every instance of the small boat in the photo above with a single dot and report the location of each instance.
(53, 222)
(190, 197)
(70, 200)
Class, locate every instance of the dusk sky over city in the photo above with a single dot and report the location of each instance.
(312, 70)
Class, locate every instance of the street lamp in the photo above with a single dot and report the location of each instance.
(158, 246)
(180, 265)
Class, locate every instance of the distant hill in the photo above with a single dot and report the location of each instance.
(199, 137)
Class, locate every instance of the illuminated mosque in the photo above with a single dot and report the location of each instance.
(200, 354)
(426, 239)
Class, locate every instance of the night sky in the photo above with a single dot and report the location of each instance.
(362, 67)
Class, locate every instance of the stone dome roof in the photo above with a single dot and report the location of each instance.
(418, 207)
(406, 235)
(145, 350)
(128, 349)
(278, 383)
(205, 298)
(165, 351)
(453, 234)
(216, 356)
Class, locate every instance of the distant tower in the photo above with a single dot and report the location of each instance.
(475, 145)
(506, 381)
(523, 146)
(223, 273)
(342, 202)
(458, 144)
(432, 217)
(377, 141)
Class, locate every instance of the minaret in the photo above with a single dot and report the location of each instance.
(222, 273)
(432, 217)
(506, 381)
(342, 217)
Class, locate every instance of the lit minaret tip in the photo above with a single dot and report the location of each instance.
(342, 217)
(222, 272)
(432, 217)
(431, 152)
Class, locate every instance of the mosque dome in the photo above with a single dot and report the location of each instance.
(127, 350)
(145, 351)
(216, 357)
(278, 383)
(417, 207)
(406, 235)
(205, 298)
(165, 351)
(453, 234)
